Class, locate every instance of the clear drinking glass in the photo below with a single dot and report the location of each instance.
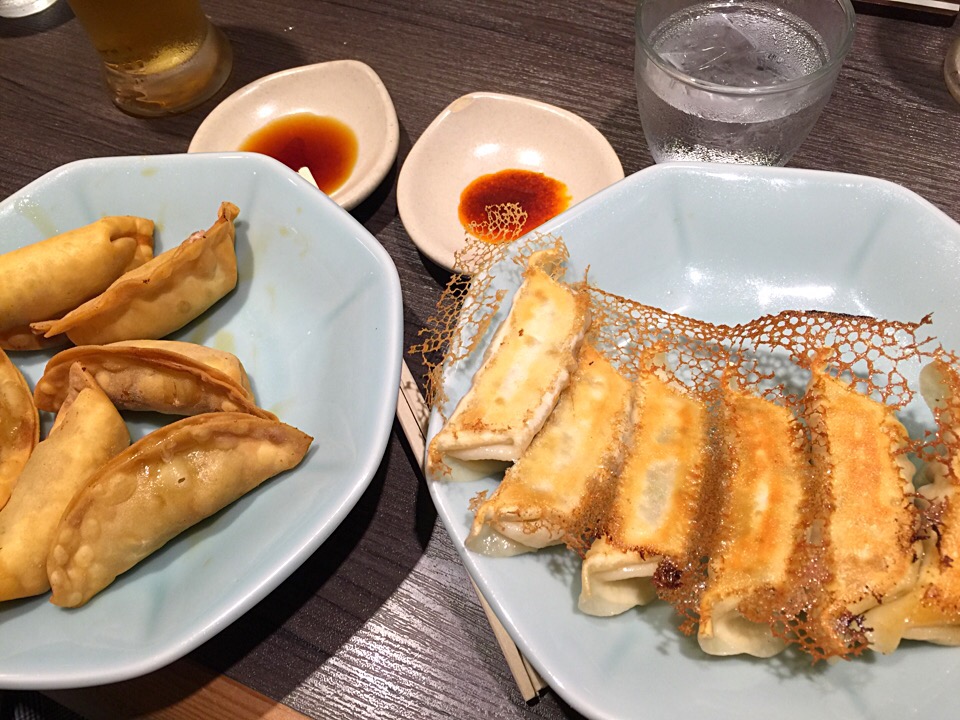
(159, 56)
(736, 81)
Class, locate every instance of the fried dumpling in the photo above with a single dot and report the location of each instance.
(160, 375)
(222, 360)
(44, 280)
(868, 525)
(160, 296)
(24, 338)
(157, 488)
(526, 366)
(571, 459)
(19, 425)
(653, 513)
(931, 610)
(88, 432)
(760, 526)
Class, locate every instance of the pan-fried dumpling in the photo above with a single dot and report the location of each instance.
(931, 611)
(652, 517)
(759, 530)
(88, 432)
(19, 425)
(160, 486)
(869, 532)
(159, 375)
(44, 280)
(571, 460)
(161, 295)
(524, 370)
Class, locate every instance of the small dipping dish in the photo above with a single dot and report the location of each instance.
(338, 109)
(492, 150)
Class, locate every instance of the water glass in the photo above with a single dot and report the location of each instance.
(158, 56)
(736, 81)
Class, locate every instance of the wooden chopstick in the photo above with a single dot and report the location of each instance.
(413, 414)
(528, 680)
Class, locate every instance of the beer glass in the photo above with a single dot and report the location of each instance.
(159, 56)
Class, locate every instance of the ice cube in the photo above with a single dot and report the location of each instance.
(704, 43)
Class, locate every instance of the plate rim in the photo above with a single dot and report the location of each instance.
(391, 328)
(573, 695)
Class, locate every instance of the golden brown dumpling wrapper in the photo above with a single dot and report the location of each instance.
(931, 610)
(25, 339)
(226, 362)
(160, 296)
(89, 431)
(528, 363)
(160, 375)
(652, 517)
(19, 425)
(760, 522)
(546, 496)
(160, 486)
(867, 526)
(51, 277)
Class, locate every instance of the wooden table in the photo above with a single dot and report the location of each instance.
(382, 620)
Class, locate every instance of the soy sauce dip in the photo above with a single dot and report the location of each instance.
(325, 145)
(540, 196)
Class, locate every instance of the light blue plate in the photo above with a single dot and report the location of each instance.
(727, 244)
(316, 319)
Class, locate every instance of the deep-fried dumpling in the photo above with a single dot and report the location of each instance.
(44, 280)
(19, 425)
(160, 296)
(161, 485)
(24, 338)
(88, 432)
(159, 375)
(524, 370)
(226, 362)
(570, 460)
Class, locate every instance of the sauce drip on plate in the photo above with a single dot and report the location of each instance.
(324, 144)
(504, 205)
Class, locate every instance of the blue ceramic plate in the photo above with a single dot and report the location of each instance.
(316, 319)
(727, 244)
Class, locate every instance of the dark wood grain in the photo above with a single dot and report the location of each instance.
(381, 621)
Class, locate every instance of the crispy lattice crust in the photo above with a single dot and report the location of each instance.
(770, 356)
(504, 223)
(469, 304)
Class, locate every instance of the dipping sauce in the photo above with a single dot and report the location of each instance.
(483, 202)
(324, 144)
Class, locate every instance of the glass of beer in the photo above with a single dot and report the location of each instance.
(159, 56)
